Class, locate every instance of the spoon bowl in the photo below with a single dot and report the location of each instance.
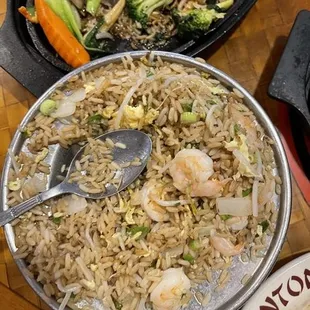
(138, 145)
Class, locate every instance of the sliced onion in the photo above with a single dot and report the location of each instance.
(70, 288)
(210, 114)
(77, 96)
(65, 301)
(234, 206)
(245, 162)
(104, 35)
(75, 204)
(141, 305)
(99, 81)
(87, 273)
(255, 198)
(65, 109)
(267, 192)
(66, 120)
(171, 203)
(259, 163)
(38, 185)
(14, 162)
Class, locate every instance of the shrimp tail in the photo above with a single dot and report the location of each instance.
(225, 246)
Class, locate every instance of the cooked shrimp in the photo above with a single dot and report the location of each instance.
(237, 223)
(153, 210)
(168, 294)
(225, 246)
(191, 169)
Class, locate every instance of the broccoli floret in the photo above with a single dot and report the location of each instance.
(195, 22)
(140, 10)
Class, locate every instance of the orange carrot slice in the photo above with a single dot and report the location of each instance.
(60, 37)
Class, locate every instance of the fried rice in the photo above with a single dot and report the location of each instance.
(114, 250)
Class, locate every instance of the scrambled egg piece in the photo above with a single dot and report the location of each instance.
(108, 112)
(240, 143)
(89, 87)
(128, 216)
(134, 117)
(150, 116)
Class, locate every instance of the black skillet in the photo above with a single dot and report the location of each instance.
(291, 84)
(26, 54)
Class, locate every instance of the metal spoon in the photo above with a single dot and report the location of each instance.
(138, 144)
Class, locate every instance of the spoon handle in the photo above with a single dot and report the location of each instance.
(14, 212)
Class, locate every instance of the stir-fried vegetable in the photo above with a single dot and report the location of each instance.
(15, 185)
(111, 17)
(29, 13)
(48, 106)
(189, 258)
(117, 304)
(225, 217)
(246, 192)
(58, 9)
(133, 230)
(236, 128)
(195, 22)
(92, 6)
(57, 220)
(92, 44)
(221, 6)
(25, 132)
(265, 225)
(60, 37)
(194, 245)
(42, 155)
(140, 10)
(187, 107)
(189, 117)
(73, 18)
(95, 119)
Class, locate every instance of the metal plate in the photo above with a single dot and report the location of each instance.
(234, 295)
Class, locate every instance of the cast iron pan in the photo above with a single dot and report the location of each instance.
(291, 84)
(174, 44)
(26, 54)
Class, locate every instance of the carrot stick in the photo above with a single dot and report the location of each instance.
(60, 37)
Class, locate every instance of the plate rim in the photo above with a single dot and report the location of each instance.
(266, 265)
(273, 279)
